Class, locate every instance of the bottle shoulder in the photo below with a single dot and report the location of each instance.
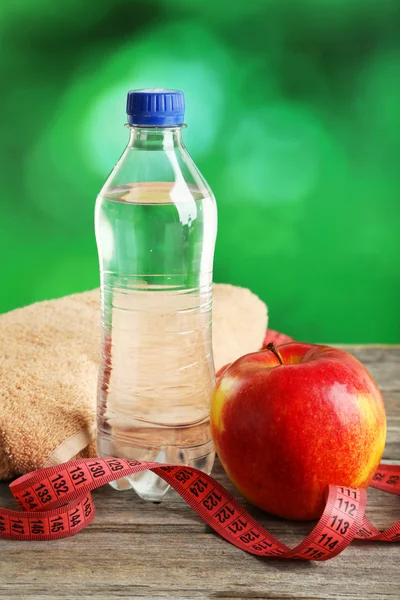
(169, 172)
(157, 193)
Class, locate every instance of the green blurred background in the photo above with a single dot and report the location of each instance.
(293, 109)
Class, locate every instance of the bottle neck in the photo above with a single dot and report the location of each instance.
(155, 138)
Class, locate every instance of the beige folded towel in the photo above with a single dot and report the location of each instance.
(49, 356)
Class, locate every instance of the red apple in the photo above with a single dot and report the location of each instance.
(288, 421)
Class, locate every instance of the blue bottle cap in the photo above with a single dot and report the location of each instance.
(155, 107)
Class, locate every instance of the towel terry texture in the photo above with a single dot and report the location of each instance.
(49, 357)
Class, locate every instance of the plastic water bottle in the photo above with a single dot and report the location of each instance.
(156, 223)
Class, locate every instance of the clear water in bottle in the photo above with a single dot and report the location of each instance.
(155, 231)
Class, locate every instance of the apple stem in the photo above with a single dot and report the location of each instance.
(271, 346)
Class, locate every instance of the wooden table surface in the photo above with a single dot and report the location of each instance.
(136, 549)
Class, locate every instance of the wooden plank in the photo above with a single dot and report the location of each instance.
(135, 549)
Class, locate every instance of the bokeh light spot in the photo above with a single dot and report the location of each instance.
(277, 152)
